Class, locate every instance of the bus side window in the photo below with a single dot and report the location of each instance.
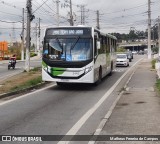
(95, 47)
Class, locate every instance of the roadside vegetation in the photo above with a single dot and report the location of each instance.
(21, 81)
(120, 50)
(16, 49)
(158, 86)
(153, 62)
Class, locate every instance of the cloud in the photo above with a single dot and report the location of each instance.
(115, 15)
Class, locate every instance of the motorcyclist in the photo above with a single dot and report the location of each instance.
(13, 58)
(12, 61)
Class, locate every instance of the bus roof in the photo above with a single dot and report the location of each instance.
(82, 26)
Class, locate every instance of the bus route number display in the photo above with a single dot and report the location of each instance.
(66, 32)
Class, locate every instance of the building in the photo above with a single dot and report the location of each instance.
(3, 49)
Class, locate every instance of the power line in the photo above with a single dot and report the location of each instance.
(48, 6)
(10, 21)
(43, 12)
(11, 14)
(11, 5)
(40, 6)
(126, 9)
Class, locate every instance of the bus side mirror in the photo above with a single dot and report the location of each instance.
(42, 42)
(98, 45)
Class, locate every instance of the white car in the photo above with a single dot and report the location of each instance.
(122, 60)
(134, 52)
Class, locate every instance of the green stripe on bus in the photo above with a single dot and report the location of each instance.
(57, 71)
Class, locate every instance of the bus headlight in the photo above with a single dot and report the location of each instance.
(49, 69)
(87, 70)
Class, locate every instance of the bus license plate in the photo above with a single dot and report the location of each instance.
(65, 80)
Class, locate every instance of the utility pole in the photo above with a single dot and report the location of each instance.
(149, 29)
(68, 3)
(82, 10)
(81, 7)
(30, 17)
(57, 2)
(39, 37)
(36, 47)
(159, 33)
(22, 36)
(71, 14)
(98, 26)
(82, 15)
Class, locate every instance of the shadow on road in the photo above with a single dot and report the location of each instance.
(80, 86)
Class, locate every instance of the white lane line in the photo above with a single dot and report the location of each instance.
(86, 116)
(107, 116)
(105, 119)
(20, 97)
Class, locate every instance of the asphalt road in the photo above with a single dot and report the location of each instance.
(5, 73)
(55, 110)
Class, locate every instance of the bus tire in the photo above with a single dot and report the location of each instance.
(99, 77)
(60, 84)
(110, 73)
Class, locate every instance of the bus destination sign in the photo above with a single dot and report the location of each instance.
(65, 32)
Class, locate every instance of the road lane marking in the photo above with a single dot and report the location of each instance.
(88, 114)
(105, 119)
(25, 95)
(119, 69)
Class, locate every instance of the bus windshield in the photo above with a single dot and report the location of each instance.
(68, 49)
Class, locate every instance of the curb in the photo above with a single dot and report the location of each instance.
(26, 90)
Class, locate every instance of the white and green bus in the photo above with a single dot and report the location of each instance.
(77, 55)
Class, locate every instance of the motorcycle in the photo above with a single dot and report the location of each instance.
(11, 64)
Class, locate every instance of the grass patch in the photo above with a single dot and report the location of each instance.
(158, 85)
(36, 69)
(27, 84)
(21, 81)
(153, 62)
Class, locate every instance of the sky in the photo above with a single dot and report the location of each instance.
(115, 15)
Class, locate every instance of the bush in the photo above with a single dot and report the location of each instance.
(158, 85)
(18, 58)
(153, 63)
(33, 54)
(121, 49)
(28, 84)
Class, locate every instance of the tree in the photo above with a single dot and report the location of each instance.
(33, 47)
(15, 49)
(154, 32)
(121, 49)
(133, 35)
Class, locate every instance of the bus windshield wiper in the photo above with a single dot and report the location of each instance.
(72, 47)
(59, 44)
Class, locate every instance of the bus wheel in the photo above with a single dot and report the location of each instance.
(110, 73)
(99, 77)
(60, 83)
